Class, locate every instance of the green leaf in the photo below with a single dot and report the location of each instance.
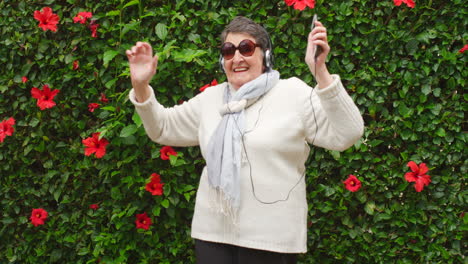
(382, 216)
(134, 25)
(133, 2)
(369, 207)
(188, 55)
(165, 203)
(128, 130)
(329, 191)
(111, 83)
(173, 159)
(113, 13)
(108, 108)
(441, 132)
(426, 89)
(161, 31)
(404, 110)
(137, 119)
(109, 55)
(56, 255)
(412, 46)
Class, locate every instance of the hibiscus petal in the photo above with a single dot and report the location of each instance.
(425, 179)
(419, 186)
(11, 121)
(54, 93)
(423, 169)
(103, 142)
(410, 3)
(37, 15)
(310, 3)
(89, 151)
(100, 152)
(45, 104)
(155, 177)
(300, 5)
(47, 11)
(88, 142)
(413, 166)
(36, 93)
(410, 177)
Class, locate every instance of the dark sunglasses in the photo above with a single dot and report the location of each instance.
(246, 48)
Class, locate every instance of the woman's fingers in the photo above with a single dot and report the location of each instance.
(319, 36)
(155, 62)
(319, 24)
(129, 55)
(134, 50)
(145, 48)
(140, 48)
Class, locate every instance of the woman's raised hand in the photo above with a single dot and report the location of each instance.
(143, 66)
(318, 38)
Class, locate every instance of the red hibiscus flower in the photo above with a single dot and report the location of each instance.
(166, 151)
(104, 98)
(143, 221)
(213, 83)
(44, 97)
(24, 79)
(76, 65)
(93, 26)
(92, 107)
(462, 50)
(418, 175)
(81, 17)
(6, 128)
(47, 19)
(95, 145)
(352, 183)
(155, 186)
(409, 3)
(300, 4)
(38, 216)
(94, 206)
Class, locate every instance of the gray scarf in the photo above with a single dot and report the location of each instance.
(224, 149)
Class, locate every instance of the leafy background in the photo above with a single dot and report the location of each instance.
(401, 66)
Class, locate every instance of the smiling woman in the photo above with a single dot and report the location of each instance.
(242, 127)
(241, 68)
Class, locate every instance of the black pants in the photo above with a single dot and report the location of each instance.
(216, 253)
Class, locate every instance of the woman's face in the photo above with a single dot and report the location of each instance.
(240, 69)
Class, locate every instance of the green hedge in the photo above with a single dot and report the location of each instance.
(402, 66)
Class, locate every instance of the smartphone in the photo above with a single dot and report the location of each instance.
(318, 49)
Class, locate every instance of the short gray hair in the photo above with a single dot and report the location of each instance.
(245, 25)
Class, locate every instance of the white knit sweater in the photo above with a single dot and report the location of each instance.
(278, 127)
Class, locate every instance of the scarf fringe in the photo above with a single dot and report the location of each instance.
(220, 203)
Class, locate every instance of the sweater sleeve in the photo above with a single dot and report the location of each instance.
(175, 126)
(331, 118)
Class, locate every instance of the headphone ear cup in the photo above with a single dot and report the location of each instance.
(221, 63)
(267, 59)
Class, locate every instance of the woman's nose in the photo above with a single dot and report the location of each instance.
(237, 57)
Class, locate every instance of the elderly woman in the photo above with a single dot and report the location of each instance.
(254, 132)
